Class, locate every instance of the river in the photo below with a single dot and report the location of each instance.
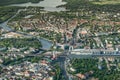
(45, 43)
(4, 24)
(49, 5)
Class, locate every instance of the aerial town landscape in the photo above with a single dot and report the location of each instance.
(59, 39)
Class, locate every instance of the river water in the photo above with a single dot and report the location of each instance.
(45, 43)
(49, 5)
(5, 26)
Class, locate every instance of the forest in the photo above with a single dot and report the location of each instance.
(8, 2)
(20, 43)
(93, 5)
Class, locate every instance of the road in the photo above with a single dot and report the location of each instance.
(61, 61)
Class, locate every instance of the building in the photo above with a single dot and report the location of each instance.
(11, 35)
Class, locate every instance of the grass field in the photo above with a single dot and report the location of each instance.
(103, 2)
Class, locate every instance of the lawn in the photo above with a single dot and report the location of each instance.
(103, 2)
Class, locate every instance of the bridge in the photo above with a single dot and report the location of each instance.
(76, 53)
(43, 49)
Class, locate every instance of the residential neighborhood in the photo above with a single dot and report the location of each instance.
(60, 40)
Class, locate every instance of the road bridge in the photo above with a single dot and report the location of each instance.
(76, 53)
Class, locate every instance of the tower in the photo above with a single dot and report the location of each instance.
(70, 48)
